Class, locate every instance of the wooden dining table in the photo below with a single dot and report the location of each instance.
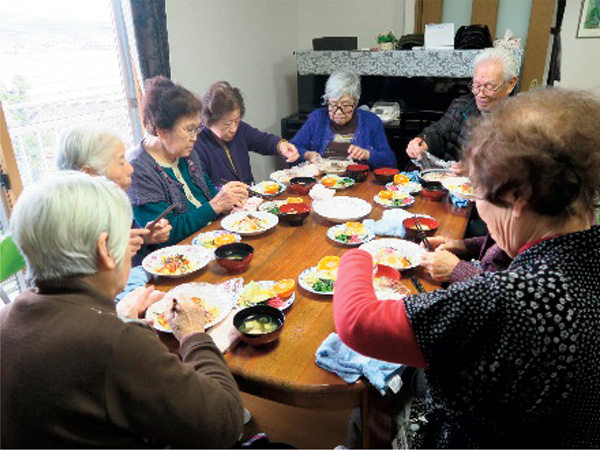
(285, 371)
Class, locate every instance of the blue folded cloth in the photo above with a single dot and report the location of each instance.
(460, 202)
(335, 356)
(137, 277)
(412, 176)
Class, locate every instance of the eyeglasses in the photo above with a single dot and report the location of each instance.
(344, 107)
(487, 89)
(192, 132)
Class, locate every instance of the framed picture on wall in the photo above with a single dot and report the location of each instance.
(589, 21)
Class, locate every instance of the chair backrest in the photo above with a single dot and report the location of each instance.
(11, 260)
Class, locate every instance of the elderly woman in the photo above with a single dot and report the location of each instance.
(343, 131)
(511, 357)
(225, 140)
(99, 151)
(168, 171)
(74, 373)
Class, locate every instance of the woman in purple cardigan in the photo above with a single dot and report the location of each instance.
(343, 131)
(225, 140)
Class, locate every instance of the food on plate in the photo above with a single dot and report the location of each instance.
(305, 169)
(390, 256)
(463, 188)
(210, 312)
(250, 223)
(400, 178)
(259, 325)
(177, 264)
(350, 233)
(328, 263)
(337, 182)
(224, 239)
(284, 288)
(321, 280)
(328, 181)
(436, 175)
(294, 200)
(267, 187)
(394, 199)
(387, 288)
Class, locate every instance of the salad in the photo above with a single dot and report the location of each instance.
(350, 233)
(336, 182)
(177, 264)
(394, 199)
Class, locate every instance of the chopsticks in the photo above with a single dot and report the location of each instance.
(163, 214)
(417, 284)
(421, 234)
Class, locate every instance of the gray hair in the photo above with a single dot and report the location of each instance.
(340, 83)
(86, 145)
(56, 224)
(510, 67)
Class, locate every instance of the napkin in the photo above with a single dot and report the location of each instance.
(412, 176)
(320, 192)
(460, 202)
(335, 356)
(138, 277)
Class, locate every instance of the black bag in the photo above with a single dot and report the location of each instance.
(469, 37)
(408, 41)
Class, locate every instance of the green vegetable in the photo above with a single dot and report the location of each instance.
(274, 210)
(323, 285)
(343, 237)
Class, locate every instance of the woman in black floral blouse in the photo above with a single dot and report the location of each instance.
(512, 358)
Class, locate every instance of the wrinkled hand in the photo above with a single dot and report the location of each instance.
(439, 264)
(289, 151)
(135, 304)
(311, 157)
(231, 195)
(186, 319)
(136, 239)
(416, 147)
(450, 245)
(355, 152)
(159, 232)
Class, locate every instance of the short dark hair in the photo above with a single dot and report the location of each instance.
(221, 98)
(165, 102)
(543, 146)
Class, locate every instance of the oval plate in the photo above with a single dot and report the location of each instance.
(267, 221)
(340, 182)
(198, 256)
(265, 285)
(206, 239)
(342, 209)
(306, 286)
(410, 200)
(410, 187)
(258, 189)
(342, 227)
(460, 187)
(404, 248)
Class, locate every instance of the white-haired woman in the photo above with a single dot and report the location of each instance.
(96, 151)
(342, 130)
(495, 75)
(74, 373)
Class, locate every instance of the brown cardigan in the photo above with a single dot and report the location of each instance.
(73, 374)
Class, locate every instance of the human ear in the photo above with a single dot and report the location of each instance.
(519, 206)
(87, 169)
(105, 261)
(512, 83)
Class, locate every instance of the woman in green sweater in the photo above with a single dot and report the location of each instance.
(166, 169)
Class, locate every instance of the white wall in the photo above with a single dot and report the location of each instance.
(580, 57)
(250, 43)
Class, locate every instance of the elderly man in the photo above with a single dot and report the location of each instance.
(77, 374)
(495, 76)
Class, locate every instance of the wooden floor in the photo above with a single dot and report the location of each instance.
(299, 427)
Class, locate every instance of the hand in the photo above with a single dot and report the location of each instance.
(416, 148)
(456, 169)
(450, 245)
(311, 157)
(159, 232)
(358, 153)
(439, 264)
(135, 304)
(289, 151)
(231, 195)
(136, 239)
(185, 317)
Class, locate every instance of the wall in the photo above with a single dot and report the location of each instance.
(580, 57)
(250, 43)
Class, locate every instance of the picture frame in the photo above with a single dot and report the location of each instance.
(589, 19)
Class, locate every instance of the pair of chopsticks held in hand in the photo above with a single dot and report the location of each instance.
(421, 234)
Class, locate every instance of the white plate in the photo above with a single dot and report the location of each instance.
(453, 184)
(258, 188)
(197, 255)
(206, 239)
(266, 206)
(229, 222)
(304, 285)
(304, 169)
(337, 186)
(342, 209)
(404, 248)
(333, 166)
(389, 204)
(265, 285)
(435, 174)
(342, 227)
(213, 296)
(410, 188)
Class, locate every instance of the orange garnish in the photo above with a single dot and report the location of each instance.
(328, 181)
(354, 226)
(224, 239)
(328, 263)
(271, 188)
(401, 179)
(284, 288)
(294, 200)
(386, 195)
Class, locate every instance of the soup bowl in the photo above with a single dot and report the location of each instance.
(385, 174)
(259, 324)
(234, 257)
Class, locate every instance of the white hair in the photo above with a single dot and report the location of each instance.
(341, 83)
(510, 68)
(90, 145)
(56, 224)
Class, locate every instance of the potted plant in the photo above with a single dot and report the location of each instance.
(387, 41)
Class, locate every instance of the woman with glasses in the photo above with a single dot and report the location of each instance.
(166, 169)
(341, 130)
(495, 76)
(225, 140)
